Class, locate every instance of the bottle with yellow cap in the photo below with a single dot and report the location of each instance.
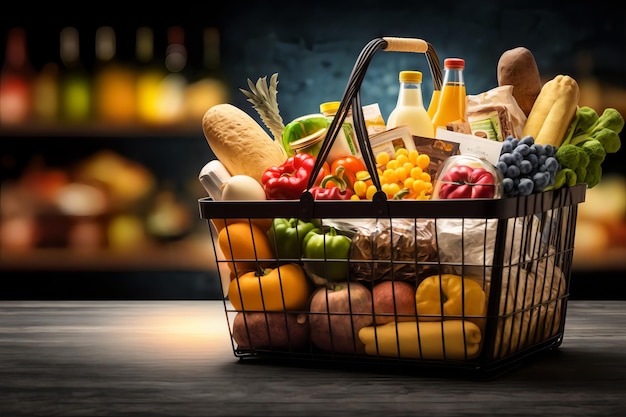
(410, 109)
(346, 143)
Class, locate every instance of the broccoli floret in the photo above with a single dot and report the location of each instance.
(584, 119)
(589, 138)
(594, 174)
(610, 119)
(609, 139)
(587, 117)
(594, 149)
(571, 156)
(565, 176)
(581, 174)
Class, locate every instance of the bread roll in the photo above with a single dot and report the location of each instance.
(517, 67)
(239, 142)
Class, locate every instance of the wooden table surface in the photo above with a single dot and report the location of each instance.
(175, 358)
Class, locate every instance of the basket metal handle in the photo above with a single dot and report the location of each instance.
(352, 100)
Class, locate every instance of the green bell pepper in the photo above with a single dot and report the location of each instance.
(333, 248)
(286, 236)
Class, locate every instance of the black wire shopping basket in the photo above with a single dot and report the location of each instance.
(468, 284)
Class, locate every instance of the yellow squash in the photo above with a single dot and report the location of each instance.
(450, 339)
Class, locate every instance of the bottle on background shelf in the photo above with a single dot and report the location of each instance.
(208, 87)
(46, 93)
(409, 108)
(75, 89)
(451, 107)
(16, 79)
(171, 100)
(149, 77)
(114, 82)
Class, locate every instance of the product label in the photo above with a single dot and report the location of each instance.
(392, 139)
(348, 132)
(473, 145)
(374, 121)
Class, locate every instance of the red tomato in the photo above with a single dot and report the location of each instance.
(322, 173)
(351, 165)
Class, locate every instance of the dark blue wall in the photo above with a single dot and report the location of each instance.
(313, 45)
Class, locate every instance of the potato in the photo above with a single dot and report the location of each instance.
(517, 67)
(276, 330)
(337, 314)
(393, 301)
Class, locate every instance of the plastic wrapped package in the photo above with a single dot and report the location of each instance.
(466, 246)
(402, 249)
(530, 306)
(532, 285)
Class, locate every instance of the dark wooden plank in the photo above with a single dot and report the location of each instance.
(175, 358)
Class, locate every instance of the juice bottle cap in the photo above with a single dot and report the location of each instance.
(410, 76)
(454, 63)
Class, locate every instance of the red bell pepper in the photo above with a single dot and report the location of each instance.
(332, 187)
(334, 193)
(288, 180)
(467, 182)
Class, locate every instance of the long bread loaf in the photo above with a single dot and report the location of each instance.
(239, 142)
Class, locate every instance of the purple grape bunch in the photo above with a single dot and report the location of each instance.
(526, 167)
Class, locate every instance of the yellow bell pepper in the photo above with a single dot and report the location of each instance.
(283, 288)
(449, 296)
(246, 246)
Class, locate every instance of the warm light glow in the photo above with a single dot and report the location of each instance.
(172, 331)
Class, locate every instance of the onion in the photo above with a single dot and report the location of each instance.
(243, 187)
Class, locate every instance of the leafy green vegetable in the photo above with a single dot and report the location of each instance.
(589, 138)
(588, 125)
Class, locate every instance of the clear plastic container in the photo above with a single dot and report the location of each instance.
(346, 142)
(311, 144)
(467, 176)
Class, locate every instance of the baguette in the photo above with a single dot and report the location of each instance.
(553, 111)
(239, 142)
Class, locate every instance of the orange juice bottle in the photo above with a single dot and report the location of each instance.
(452, 100)
(434, 103)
